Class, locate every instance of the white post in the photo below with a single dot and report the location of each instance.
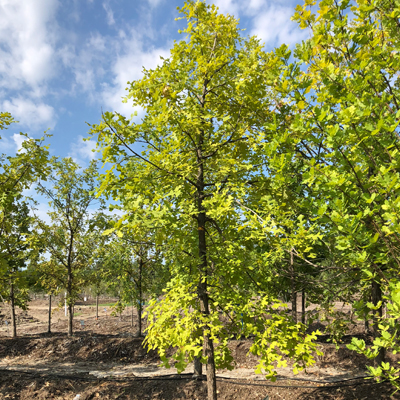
(65, 303)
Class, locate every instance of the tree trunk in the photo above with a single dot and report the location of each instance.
(204, 306)
(303, 307)
(12, 303)
(70, 319)
(49, 326)
(69, 304)
(202, 286)
(376, 295)
(139, 332)
(294, 293)
(198, 368)
(140, 298)
(97, 307)
(366, 325)
(69, 285)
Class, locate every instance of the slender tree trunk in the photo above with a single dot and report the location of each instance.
(97, 307)
(198, 368)
(139, 333)
(12, 303)
(294, 293)
(366, 325)
(209, 353)
(303, 307)
(70, 305)
(202, 291)
(132, 308)
(366, 319)
(70, 319)
(197, 364)
(202, 287)
(49, 326)
(376, 295)
(69, 283)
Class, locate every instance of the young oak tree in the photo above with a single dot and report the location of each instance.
(181, 170)
(68, 238)
(132, 266)
(14, 254)
(340, 116)
(17, 173)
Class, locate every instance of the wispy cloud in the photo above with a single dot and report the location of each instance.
(231, 7)
(109, 13)
(155, 3)
(269, 20)
(128, 66)
(273, 26)
(82, 151)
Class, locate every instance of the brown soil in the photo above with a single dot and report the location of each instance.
(105, 361)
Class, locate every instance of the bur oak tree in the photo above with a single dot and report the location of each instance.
(339, 114)
(17, 173)
(68, 237)
(182, 170)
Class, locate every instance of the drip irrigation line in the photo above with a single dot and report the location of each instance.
(280, 378)
(175, 377)
(305, 386)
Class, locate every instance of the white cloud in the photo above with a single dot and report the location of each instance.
(128, 66)
(274, 26)
(97, 42)
(154, 3)
(81, 151)
(27, 42)
(230, 7)
(110, 14)
(30, 113)
(40, 210)
(269, 20)
(18, 140)
(256, 4)
(87, 63)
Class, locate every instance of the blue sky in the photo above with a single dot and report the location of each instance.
(63, 61)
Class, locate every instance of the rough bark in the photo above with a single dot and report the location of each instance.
(202, 285)
(97, 307)
(303, 307)
(198, 368)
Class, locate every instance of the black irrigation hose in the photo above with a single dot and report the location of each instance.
(281, 378)
(305, 387)
(172, 377)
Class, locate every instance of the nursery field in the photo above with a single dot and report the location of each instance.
(104, 360)
(254, 186)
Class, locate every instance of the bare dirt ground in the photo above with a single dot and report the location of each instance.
(105, 361)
